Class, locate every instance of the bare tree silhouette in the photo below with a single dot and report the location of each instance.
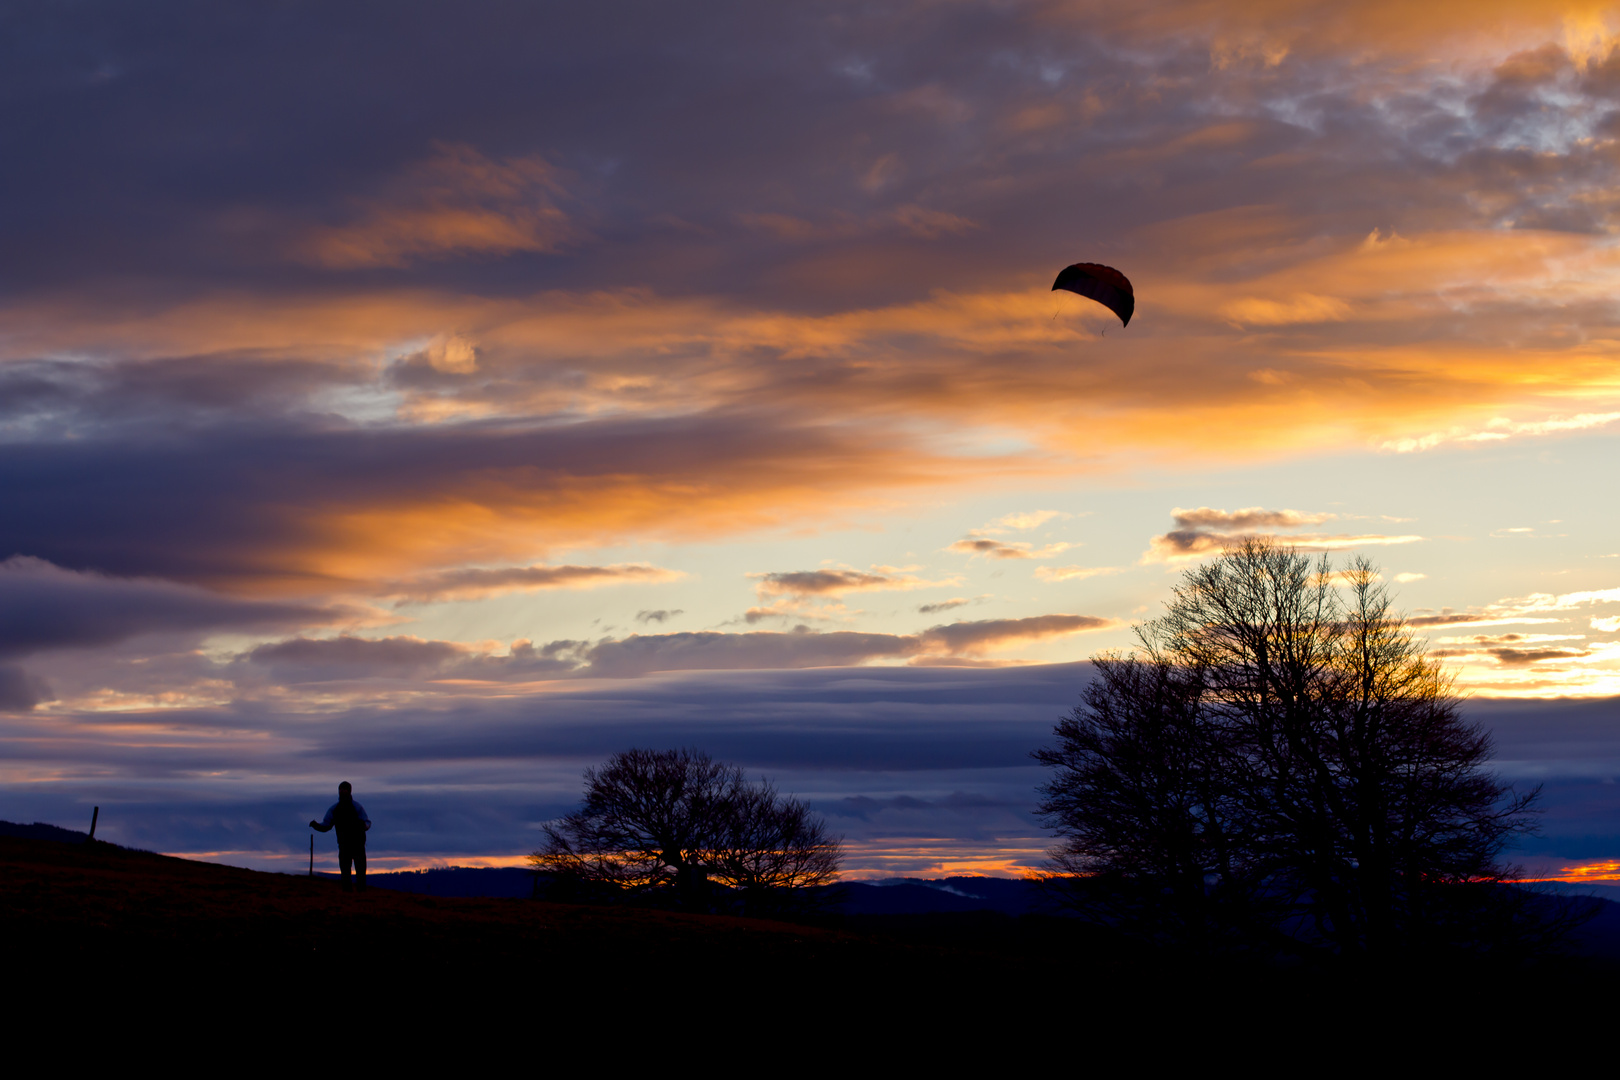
(1280, 754)
(675, 822)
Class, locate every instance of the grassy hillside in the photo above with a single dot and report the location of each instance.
(98, 900)
(145, 934)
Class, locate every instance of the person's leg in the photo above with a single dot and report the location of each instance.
(360, 866)
(345, 857)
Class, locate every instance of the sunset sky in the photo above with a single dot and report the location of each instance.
(444, 397)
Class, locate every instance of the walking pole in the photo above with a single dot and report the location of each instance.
(94, 814)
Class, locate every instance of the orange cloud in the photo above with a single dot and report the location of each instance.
(1267, 33)
(836, 582)
(476, 582)
(1252, 517)
(971, 638)
(1055, 574)
(457, 203)
(676, 485)
(1601, 870)
(978, 365)
(1183, 546)
(813, 594)
(1205, 532)
(953, 371)
(999, 549)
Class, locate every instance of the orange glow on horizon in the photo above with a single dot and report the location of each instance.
(863, 862)
(1607, 870)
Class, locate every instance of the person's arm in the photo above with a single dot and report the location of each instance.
(365, 818)
(324, 825)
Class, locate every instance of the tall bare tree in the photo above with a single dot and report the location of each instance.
(1334, 779)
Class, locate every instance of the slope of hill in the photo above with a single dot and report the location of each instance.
(93, 900)
(149, 935)
(41, 831)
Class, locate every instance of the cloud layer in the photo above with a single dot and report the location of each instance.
(922, 769)
(507, 323)
(348, 657)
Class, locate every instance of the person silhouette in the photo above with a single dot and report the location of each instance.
(351, 822)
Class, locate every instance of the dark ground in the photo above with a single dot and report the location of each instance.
(145, 934)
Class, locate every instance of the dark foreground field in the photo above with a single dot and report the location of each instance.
(95, 901)
(93, 904)
(142, 934)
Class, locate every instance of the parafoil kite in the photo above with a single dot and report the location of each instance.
(1104, 284)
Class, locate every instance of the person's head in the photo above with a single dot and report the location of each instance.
(345, 791)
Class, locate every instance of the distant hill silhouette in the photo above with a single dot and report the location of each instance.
(916, 896)
(871, 904)
(1600, 936)
(896, 896)
(509, 882)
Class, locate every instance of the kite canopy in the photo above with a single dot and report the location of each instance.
(1104, 284)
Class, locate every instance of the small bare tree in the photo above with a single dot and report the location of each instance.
(673, 822)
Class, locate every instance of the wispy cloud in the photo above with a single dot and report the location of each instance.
(1073, 573)
(1468, 619)
(1000, 549)
(1297, 308)
(815, 594)
(1024, 521)
(1556, 660)
(971, 638)
(474, 583)
(1539, 602)
(1500, 428)
(1512, 656)
(805, 583)
(456, 203)
(1253, 517)
(1203, 534)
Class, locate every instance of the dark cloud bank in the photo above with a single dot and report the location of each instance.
(892, 755)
